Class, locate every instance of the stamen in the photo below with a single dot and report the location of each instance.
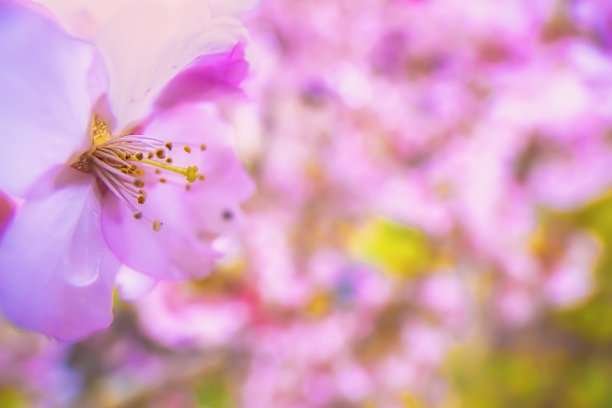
(190, 173)
(111, 184)
(119, 162)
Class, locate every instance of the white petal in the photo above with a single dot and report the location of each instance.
(231, 7)
(132, 284)
(148, 42)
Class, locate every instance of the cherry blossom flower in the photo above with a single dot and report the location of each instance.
(105, 163)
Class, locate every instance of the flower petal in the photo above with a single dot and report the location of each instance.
(56, 273)
(85, 17)
(149, 42)
(182, 248)
(212, 205)
(170, 253)
(45, 96)
(133, 285)
(230, 7)
(207, 78)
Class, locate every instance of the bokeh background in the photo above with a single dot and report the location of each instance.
(432, 225)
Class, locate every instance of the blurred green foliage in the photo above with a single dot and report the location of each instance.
(12, 398)
(593, 319)
(214, 391)
(564, 360)
(393, 248)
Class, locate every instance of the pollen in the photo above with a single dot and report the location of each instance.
(156, 225)
(99, 131)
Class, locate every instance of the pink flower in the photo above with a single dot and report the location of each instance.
(106, 173)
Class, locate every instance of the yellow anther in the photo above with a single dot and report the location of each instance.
(190, 173)
(203, 147)
(168, 146)
(138, 215)
(99, 131)
(160, 153)
(187, 149)
(140, 199)
(156, 225)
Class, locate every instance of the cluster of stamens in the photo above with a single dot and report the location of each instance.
(125, 163)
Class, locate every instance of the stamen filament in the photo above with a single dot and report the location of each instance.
(111, 169)
(191, 172)
(109, 182)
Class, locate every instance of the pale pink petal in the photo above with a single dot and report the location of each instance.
(149, 42)
(170, 253)
(84, 18)
(231, 7)
(46, 96)
(213, 205)
(207, 78)
(132, 284)
(56, 273)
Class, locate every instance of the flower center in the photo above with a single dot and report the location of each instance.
(126, 163)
